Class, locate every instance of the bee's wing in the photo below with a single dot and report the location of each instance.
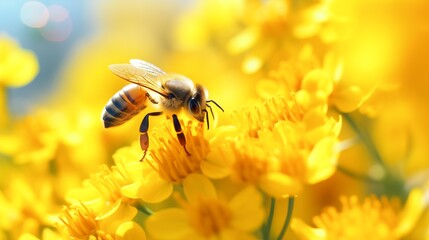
(149, 67)
(145, 76)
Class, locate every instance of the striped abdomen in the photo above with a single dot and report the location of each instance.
(124, 105)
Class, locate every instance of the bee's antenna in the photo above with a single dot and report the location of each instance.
(211, 110)
(207, 117)
(216, 104)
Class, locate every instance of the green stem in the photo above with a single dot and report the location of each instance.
(144, 209)
(366, 140)
(356, 175)
(267, 228)
(290, 205)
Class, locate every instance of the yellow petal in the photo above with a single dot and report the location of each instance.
(152, 189)
(218, 163)
(243, 41)
(168, 224)
(279, 185)
(248, 212)
(118, 214)
(234, 234)
(129, 231)
(318, 80)
(411, 213)
(322, 160)
(27, 236)
(196, 185)
(306, 232)
(348, 99)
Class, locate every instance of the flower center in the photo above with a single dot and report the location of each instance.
(267, 114)
(209, 216)
(169, 158)
(251, 161)
(373, 219)
(79, 221)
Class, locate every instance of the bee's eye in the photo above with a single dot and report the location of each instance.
(194, 107)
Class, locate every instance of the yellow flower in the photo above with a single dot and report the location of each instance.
(103, 193)
(47, 234)
(316, 83)
(17, 66)
(271, 28)
(206, 215)
(26, 205)
(166, 164)
(278, 147)
(80, 222)
(374, 218)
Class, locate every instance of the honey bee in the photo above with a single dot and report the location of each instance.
(171, 92)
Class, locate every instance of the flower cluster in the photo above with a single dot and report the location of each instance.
(308, 122)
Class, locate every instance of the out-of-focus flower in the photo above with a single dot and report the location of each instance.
(62, 141)
(17, 66)
(271, 28)
(374, 218)
(205, 214)
(25, 207)
(316, 82)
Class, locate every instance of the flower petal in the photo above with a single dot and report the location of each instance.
(411, 213)
(130, 230)
(152, 189)
(279, 185)
(322, 160)
(218, 163)
(196, 185)
(248, 212)
(306, 232)
(170, 223)
(233, 234)
(118, 214)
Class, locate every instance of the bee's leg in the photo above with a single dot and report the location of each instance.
(144, 138)
(179, 132)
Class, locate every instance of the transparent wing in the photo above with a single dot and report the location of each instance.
(140, 76)
(149, 67)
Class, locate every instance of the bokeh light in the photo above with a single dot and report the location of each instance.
(34, 14)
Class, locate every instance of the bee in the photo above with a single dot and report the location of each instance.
(172, 93)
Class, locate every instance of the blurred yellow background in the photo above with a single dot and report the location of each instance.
(374, 56)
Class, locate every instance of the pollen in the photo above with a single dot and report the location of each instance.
(79, 222)
(209, 216)
(170, 159)
(372, 219)
(267, 114)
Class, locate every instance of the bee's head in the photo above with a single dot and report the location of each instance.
(198, 103)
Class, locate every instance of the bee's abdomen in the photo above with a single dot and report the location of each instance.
(124, 105)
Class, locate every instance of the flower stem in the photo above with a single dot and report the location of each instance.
(366, 140)
(144, 209)
(267, 227)
(356, 175)
(290, 205)
(3, 108)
